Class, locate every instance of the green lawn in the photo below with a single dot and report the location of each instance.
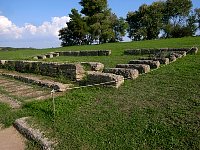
(158, 110)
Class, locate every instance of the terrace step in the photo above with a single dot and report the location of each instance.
(153, 64)
(142, 68)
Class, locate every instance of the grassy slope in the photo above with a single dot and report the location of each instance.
(159, 110)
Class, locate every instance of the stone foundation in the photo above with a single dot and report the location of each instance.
(108, 79)
(71, 71)
(142, 68)
(126, 73)
(154, 51)
(93, 66)
(164, 61)
(151, 63)
(33, 134)
(75, 53)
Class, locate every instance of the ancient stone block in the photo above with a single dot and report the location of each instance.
(126, 73)
(93, 66)
(193, 50)
(151, 63)
(161, 60)
(142, 68)
(49, 55)
(93, 53)
(172, 58)
(132, 52)
(42, 57)
(55, 54)
(104, 52)
(36, 57)
(109, 79)
(145, 51)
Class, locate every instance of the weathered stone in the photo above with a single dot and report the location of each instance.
(151, 63)
(34, 134)
(142, 68)
(193, 50)
(94, 66)
(36, 57)
(42, 57)
(145, 51)
(126, 73)
(132, 52)
(49, 55)
(55, 54)
(109, 79)
(104, 52)
(177, 55)
(93, 53)
(161, 60)
(72, 71)
(172, 58)
(183, 53)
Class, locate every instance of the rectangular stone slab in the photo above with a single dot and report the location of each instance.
(153, 64)
(126, 73)
(142, 68)
(161, 60)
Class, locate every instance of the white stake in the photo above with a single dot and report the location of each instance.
(54, 107)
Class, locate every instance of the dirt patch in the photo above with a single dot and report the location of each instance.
(10, 139)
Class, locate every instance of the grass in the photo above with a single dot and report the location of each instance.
(159, 110)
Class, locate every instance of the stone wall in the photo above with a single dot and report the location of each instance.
(93, 66)
(142, 68)
(153, 64)
(75, 53)
(164, 61)
(126, 73)
(107, 79)
(68, 70)
(154, 51)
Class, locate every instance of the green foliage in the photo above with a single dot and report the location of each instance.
(172, 18)
(75, 32)
(99, 25)
(145, 24)
(197, 13)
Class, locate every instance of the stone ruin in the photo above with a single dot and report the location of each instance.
(74, 53)
(95, 72)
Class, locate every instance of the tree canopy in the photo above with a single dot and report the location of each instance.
(96, 23)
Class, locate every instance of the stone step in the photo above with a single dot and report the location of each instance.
(164, 61)
(142, 68)
(153, 64)
(126, 73)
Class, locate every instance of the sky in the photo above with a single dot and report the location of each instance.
(35, 23)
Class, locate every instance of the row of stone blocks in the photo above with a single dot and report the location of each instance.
(154, 51)
(75, 53)
(73, 71)
(143, 65)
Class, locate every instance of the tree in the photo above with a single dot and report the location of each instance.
(197, 13)
(119, 27)
(75, 32)
(92, 7)
(175, 17)
(146, 22)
